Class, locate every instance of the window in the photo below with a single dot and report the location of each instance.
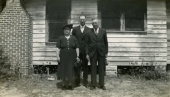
(57, 14)
(122, 15)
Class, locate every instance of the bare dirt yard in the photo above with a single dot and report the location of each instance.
(122, 86)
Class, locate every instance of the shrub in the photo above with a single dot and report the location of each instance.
(148, 73)
(4, 64)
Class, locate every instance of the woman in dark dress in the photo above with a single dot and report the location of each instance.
(67, 55)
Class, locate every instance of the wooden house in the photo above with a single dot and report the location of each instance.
(137, 30)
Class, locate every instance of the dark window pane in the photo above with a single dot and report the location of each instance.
(110, 14)
(133, 10)
(57, 13)
(54, 34)
(112, 23)
(134, 14)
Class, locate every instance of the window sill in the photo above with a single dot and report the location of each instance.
(135, 32)
(50, 44)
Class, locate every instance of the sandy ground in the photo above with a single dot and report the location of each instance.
(123, 86)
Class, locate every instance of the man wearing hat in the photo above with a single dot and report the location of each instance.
(80, 32)
(96, 51)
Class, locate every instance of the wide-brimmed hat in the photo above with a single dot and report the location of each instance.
(68, 25)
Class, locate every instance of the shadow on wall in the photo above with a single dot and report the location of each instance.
(2, 4)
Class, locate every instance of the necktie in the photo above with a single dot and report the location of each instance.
(82, 29)
(95, 30)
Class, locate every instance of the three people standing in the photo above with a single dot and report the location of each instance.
(86, 45)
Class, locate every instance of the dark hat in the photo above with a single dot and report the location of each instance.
(68, 25)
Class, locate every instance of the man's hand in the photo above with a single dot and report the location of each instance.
(78, 60)
(106, 55)
(87, 57)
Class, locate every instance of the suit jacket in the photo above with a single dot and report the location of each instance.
(96, 42)
(81, 37)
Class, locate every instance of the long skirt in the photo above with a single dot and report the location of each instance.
(66, 66)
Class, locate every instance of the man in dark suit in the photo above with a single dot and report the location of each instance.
(80, 32)
(96, 50)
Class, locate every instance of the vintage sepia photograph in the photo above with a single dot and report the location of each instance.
(84, 48)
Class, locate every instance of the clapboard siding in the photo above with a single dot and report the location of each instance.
(156, 9)
(139, 50)
(110, 53)
(168, 28)
(140, 40)
(37, 10)
(135, 49)
(137, 63)
(157, 30)
(156, 17)
(137, 45)
(156, 12)
(149, 35)
(88, 17)
(38, 31)
(44, 62)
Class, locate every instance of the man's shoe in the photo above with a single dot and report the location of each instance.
(71, 87)
(63, 87)
(86, 85)
(102, 87)
(77, 85)
(92, 88)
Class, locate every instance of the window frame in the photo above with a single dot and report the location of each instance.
(123, 20)
(49, 20)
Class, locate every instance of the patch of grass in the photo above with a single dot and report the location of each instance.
(4, 64)
(155, 75)
(147, 73)
(5, 71)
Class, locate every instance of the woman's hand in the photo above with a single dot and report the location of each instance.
(58, 59)
(78, 60)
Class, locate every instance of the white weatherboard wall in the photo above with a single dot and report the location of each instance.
(42, 54)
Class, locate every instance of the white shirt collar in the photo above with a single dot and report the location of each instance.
(97, 30)
(67, 37)
(82, 26)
